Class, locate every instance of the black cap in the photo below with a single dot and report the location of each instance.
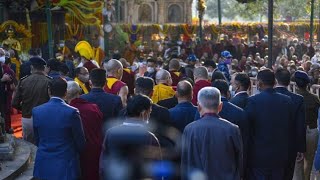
(38, 61)
(145, 82)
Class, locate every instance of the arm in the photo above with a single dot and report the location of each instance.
(17, 97)
(123, 93)
(77, 131)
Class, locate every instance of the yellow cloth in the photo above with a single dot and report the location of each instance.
(82, 85)
(98, 55)
(18, 64)
(127, 70)
(84, 49)
(161, 92)
(111, 81)
(177, 73)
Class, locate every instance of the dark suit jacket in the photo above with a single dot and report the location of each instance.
(240, 100)
(60, 138)
(212, 145)
(182, 115)
(298, 124)
(169, 103)
(129, 143)
(269, 116)
(110, 105)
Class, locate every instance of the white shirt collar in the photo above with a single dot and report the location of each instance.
(241, 92)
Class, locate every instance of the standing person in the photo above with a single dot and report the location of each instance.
(212, 144)
(31, 91)
(241, 84)
(183, 113)
(151, 69)
(82, 78)
(92, 121)
(109, 104)
(298, 133)
(201, 81)
(269, 143)
(53, 65)
(128, 76)
(128, 145)
(174, 69)
(163, 89)
(58, 135)
(114, 85)
(312, 105)
(25, 68)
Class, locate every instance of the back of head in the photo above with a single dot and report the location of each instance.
(266, 77)
(244, 80)
(112, 66)
(200, 72)
(184, 89)
(144, 85)
(174, 64)
(98, 77)
(54, 64)
(302, 79)
(58, 87)
(77, 71)
(209, 98)
(138, 104)
(63, 69)
(162, 75)
(283, 76)
(222, 85)
(217, 75)
(33, 52)
(73, 90)
(210, 63)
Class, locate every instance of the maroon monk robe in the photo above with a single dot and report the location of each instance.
(91, 118)
(115, 88)
(128, 78)
(9, 91)
(176, 77)
(197, 87)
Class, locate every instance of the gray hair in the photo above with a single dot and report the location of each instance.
(201, 72)
(209, 98)
(162, 75)
(73, 89)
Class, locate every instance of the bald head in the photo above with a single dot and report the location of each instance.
(184, 91)
(200, 73)
(114, 68)
(174, 65)
(163, 77)
(73, 90)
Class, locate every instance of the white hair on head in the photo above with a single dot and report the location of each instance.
(209, 98)
(73, 89)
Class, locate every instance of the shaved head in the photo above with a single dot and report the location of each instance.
(174, 64)
(184, 90)
(201, 72)
(114, 68)
(163, 76)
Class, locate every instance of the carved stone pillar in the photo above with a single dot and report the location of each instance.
(162, 14)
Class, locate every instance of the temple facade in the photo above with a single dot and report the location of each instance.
(156, 11)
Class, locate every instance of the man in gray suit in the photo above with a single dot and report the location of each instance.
(212, 145)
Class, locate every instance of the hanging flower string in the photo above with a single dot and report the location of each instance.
(134, 29)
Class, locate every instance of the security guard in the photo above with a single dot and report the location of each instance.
(32, 91)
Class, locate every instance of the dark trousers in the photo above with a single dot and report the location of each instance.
(290, 168)
(266, 173)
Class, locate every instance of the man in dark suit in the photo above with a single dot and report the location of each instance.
(270, 114)
(183, 114)
(298, 124)
(212, 145)
(59, 136)
(241, 84)
(233, 114)
(160, 116)
(110, 105)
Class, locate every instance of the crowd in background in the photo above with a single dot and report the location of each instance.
(185, 110)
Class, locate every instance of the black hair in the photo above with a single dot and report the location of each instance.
(267, 77)
(209, 63)
(98, 77)
(151, 60)
(222, 85)
(144, 85)
(63, 68)
(243, 79)
(58, 87)
(77, 71)
(283, 76)
(301, 83)
(54, 64)
(137, 104)
(33, 52)
(8, 60)
(218, 75)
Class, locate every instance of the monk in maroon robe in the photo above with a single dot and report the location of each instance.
(201, 81)
(91, 118)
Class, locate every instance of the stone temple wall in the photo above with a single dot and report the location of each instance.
(156, 11)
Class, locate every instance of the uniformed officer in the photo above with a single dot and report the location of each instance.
(32, 91)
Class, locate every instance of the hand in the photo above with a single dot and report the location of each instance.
(6, 77)
(300, 157)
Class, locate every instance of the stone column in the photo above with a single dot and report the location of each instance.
(162, 15)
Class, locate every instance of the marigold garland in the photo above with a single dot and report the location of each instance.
(186, 29)
(131, 31)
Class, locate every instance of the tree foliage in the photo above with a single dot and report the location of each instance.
(232, 10)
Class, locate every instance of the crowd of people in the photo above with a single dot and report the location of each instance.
(187, 113)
